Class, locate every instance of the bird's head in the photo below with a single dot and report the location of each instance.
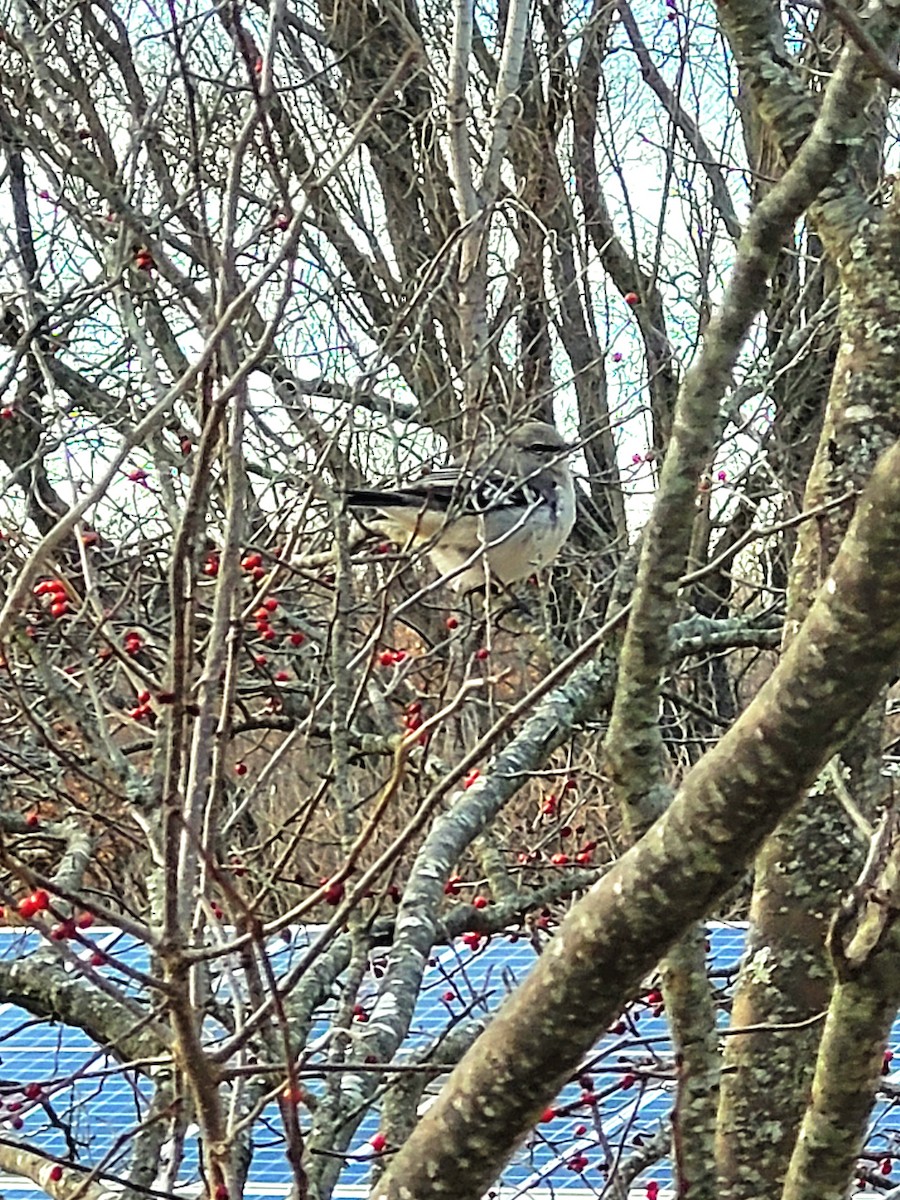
(536, 444)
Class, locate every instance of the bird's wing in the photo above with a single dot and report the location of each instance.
(466, 493)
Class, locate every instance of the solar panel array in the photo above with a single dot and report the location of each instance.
(89, 1105)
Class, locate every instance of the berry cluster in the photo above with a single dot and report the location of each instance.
(55, 595)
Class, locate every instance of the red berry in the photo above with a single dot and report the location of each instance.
(632, 298)
(59, 608)
(296, 638)
(480, 902)
(261, 615)
(251, 562)
(138, 475)
(378, 1142)
(580, 1130)
(449, 996)
(334, 893)
(559, 860)
(451, 887)
(85, 920)
(452, 623)
(549, 1114)
(56, 1173)
(282, 676)
(32, 820)
(268, 635)
(482, 653)
(41, 900)
(240, 768)
(270, 604)
(33, 1091)
(7, 413)
(143, 697)
(26, 907)
(386, 658)
(97, 959)
(17, 1122)
(470, 778)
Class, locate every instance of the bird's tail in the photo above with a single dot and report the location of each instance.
(363, 498)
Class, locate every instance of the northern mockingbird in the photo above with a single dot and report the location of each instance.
(500, 518)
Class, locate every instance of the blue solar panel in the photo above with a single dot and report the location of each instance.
(90, 1104)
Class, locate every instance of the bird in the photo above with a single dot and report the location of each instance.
(499, 517)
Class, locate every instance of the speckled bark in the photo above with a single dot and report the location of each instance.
(76, 1181)
(634, 752)
(786, 979)
(729, 802)
(691, 1013)
(865, 945)
(811, 859)
(847, 1072)
(41, 985)
(805, 866)
(633, 745)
